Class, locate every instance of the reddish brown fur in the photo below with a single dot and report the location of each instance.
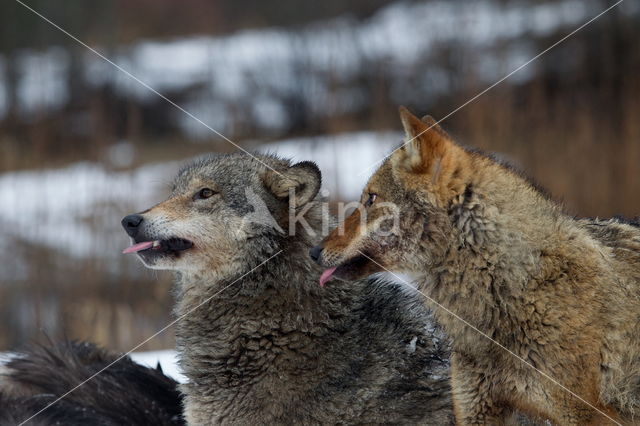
(342, 236)
(561, 294)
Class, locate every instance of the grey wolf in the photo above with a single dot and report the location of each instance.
(125, 393)
(483, 241)
(274, 347)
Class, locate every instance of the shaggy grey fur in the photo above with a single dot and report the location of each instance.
(274, 347)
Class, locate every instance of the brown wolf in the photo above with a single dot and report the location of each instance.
(264, 343)
(482, 241)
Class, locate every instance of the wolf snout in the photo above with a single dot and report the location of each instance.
(131, 224)
(316, 252)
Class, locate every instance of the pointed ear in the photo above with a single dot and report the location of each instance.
(429, 121)
(427, 147)
(302, 181)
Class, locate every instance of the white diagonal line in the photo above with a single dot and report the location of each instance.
(145, 85)
(149, 338)
(465, 322)
(495, 84)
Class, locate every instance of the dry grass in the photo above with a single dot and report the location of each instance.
(586, 154)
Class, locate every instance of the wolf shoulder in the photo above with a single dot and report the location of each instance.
(620, 235)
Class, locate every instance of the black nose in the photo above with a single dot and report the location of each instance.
(131, 224)
(315, 252)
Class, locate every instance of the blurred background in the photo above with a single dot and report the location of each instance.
(82, 144)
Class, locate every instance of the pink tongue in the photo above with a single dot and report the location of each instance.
(138, 247)
(326, 275)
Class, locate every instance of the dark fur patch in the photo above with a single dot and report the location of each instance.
(468, 193)
(124, 393)
(633, 222)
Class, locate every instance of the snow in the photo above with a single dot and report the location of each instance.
(346, 160)
(168, 360)
(4, 357)
(71, 208)
(411, 347)
(43, 84)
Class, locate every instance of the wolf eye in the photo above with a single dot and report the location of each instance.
(204, 193)
(370, 200)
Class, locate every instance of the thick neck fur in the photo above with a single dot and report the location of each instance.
(275, 347)
(496, 243)
(234, 342)
(288, 280)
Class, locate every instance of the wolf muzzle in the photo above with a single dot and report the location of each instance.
(131, 224)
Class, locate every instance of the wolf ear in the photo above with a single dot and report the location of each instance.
(302, 181)
(432, 124)
(427, 150)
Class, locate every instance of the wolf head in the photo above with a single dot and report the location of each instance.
(218, 204)
(430, 195)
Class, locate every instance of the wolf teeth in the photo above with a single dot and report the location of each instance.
(156, 243)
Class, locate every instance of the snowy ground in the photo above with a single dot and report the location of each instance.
(167, 359)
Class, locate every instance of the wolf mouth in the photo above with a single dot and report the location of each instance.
(347, 270)
(167, 246)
